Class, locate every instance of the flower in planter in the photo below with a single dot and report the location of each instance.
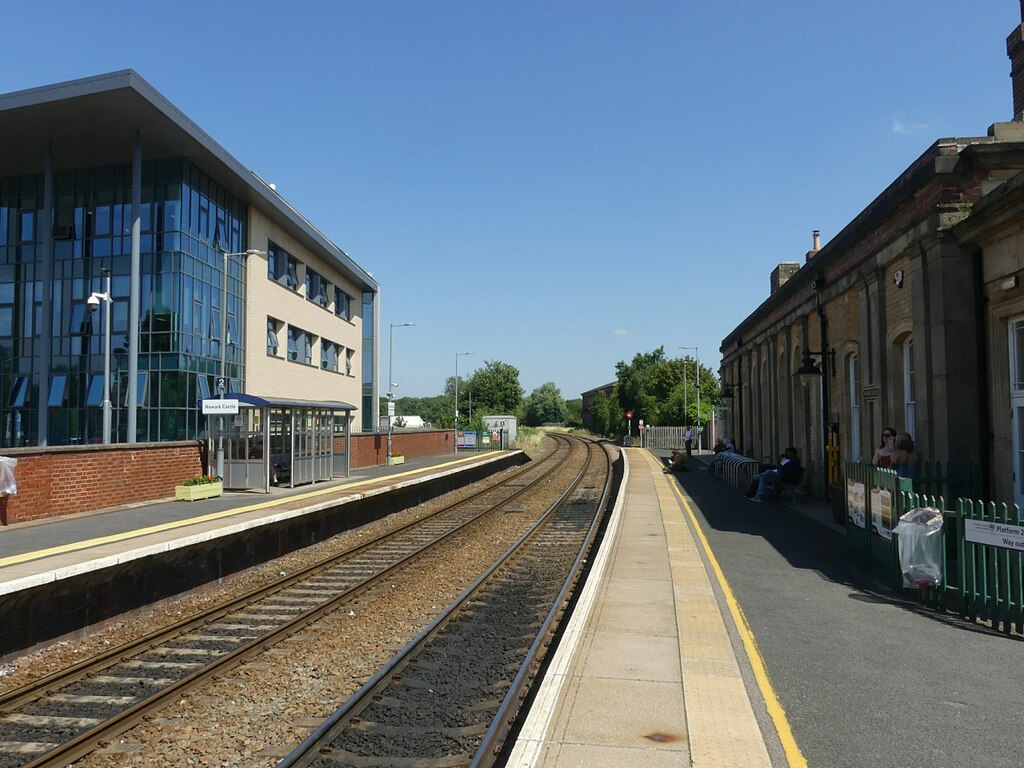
(200, 480)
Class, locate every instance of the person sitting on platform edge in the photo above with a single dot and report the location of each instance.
(788, 472)
(677, 462)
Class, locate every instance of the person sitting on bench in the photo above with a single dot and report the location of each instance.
(788, 472)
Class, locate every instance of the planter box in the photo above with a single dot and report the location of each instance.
(196, 492)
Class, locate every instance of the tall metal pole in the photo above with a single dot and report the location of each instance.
(223, 382)
(697, 367)
(391, 380)
(457, 355)
(106, 360)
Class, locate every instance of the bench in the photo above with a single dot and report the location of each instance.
(788, 492)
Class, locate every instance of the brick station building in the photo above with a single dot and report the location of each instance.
(913, 315)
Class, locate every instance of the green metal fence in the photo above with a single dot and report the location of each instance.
(874, 503)
(991, 574)
(983, 543)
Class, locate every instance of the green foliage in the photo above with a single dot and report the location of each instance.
(574, 412)
(200, 480)
(600, 415)
(496, 388)
(544, 406)
(663, 391)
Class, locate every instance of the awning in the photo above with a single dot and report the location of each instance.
(284, 402)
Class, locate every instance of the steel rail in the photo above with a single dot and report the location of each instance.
(308, 750)
(87, 741)
(55, 680)
(493, 741)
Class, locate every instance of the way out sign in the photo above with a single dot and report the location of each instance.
(219, 407)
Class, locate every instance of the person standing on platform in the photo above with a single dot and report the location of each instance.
(688, 439)
(883, 456)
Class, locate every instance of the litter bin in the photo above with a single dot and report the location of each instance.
(919, 534)
(7, 481)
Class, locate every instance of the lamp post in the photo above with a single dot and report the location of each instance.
(391, 380)
(94, 304)
(457, 356)
(222, 383)
(696, 355)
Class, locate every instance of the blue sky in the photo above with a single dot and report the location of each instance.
(556, 185)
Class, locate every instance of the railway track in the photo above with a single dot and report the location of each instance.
(64, 716)
(450, 696)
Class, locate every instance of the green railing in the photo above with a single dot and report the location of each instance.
(952, 480)
(983, 544)
(874, 503)
(991, 575)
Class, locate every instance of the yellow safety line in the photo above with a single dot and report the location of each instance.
(793, 754)
(124, 535)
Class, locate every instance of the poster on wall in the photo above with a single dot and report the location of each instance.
(855, 502)
(881, 512)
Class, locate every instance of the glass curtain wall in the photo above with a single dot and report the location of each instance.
(369, 406)
(187, 222)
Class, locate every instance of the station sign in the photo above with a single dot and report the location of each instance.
(995, 534)
(220, 407)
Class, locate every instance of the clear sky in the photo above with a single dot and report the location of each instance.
(556, 185)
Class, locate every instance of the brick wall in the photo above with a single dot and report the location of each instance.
(371, 450)
(64, 480)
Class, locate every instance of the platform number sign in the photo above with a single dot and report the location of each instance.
(221, 385)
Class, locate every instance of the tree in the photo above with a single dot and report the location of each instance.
(574, 412)
(600, 415)
(544, 406)
(496, 388)
(663, 391)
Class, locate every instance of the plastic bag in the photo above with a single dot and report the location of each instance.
(920, 547)
(7, 481)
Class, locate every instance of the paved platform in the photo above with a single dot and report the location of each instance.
(43, 551)
(657, 666)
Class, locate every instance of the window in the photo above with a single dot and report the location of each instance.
(19, 392)
(273, 328)
(348, 361)
(342, 304)
(328, 355)
(58, 391)
(81, 320)
(300, 346)
(141, 390)
(94, 395)
(203, 386)
(316, 287)
(909, 402)
(281, 266)
(853, 377)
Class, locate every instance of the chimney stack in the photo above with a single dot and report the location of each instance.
(816, 235)
(1015, 50)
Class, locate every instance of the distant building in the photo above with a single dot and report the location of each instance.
(505, 424)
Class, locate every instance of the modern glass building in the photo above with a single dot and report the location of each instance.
(104, 174)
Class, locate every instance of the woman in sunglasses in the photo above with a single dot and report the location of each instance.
(883, 456)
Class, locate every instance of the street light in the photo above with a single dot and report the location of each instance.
(222, 383)
(391, 380)
(457, 356)
(696, 355)
(94, 304)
